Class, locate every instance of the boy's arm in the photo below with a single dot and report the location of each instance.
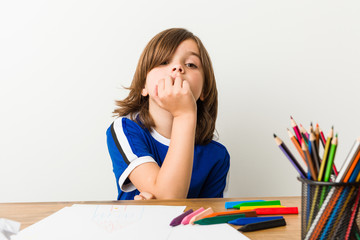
(172, 180)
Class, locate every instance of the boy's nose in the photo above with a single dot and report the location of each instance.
(177, 68)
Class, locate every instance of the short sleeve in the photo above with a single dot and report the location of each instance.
(128, 148)
(215, 183)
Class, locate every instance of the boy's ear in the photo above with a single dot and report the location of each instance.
(202, 96)
(144, 92)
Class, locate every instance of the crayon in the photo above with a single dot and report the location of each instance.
(218, 219)
(201, 215)
(247, 208)
(274, 211)
(187, 218)
(231, 204)
(264, 203)
(177, 221)
(248, 213)
(246, 220)
(262, 225)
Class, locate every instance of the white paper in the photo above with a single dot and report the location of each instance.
(214, 231)
(130, 222)
(7, 228)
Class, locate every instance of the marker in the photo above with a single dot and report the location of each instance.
(263, 225)
(219, 219)
(244, 221)
(177, 221)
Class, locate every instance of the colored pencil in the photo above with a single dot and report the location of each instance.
(296, 129)
(352, 167)
(314, 152)
(349, 159)
(325, 157)
(309, 160)
(297, 145)
(332, 197)
(317, 137)
(304, 132)
(338, 211)
(311, 129)
(322, 137)
(329, 165)
(331, 158)
(289, 155)
(353, 214)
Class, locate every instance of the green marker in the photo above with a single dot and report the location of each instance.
(255, 204)
(219, 219)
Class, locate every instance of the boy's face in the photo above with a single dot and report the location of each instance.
(184, 63)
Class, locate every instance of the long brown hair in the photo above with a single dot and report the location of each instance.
(159, 49)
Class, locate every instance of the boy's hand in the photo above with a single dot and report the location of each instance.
(175, 96)
(144, 196)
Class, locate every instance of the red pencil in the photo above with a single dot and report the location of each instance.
(322, 138)
(296, 129)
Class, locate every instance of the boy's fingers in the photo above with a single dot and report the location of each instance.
(147, 195)
(168, 82)
(178, 82)
(139, 197)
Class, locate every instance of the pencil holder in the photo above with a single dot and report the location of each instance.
(329, 210)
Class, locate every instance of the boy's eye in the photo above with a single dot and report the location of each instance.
(191, 65)
(164, 63)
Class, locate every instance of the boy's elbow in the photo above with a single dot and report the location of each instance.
(168, 195)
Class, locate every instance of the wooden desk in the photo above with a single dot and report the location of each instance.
(30, 213)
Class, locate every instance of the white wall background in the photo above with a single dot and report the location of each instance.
(63, 63)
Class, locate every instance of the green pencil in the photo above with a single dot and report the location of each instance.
(329, 166)
(331, 158)
(325, 157)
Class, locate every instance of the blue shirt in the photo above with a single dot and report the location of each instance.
(130, 146)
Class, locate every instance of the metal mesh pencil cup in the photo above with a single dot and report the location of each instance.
(329, 210)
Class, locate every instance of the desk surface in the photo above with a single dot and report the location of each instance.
(30, 213)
